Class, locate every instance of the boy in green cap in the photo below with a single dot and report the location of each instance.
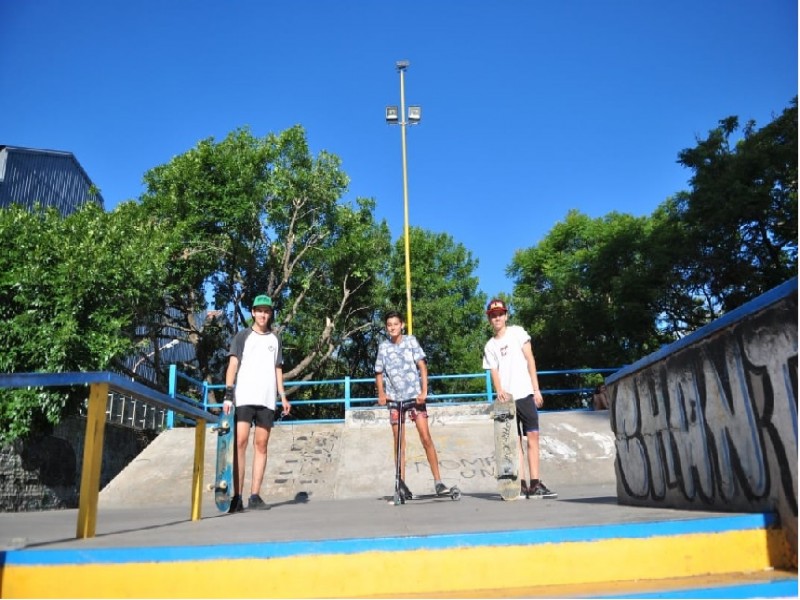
(252, 382)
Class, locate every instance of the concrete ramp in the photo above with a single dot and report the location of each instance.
(354, 459)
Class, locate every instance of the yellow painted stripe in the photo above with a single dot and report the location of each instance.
(412, 572)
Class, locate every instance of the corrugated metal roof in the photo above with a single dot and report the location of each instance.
(48, 177)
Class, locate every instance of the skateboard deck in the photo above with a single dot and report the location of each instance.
(506, 450)
(223, 474)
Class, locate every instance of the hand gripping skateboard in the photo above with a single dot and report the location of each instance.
(399, 496)
(223, 474)
(506, 451)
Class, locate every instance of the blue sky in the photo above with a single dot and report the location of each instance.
(530, 108)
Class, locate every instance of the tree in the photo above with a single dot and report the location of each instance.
(447, 306)
(264, 216)
(740, 215)
(71, 292)
(589, 292)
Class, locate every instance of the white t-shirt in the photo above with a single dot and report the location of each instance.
(505, 355)
(259, 354)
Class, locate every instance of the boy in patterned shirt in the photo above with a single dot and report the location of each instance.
(401, 374)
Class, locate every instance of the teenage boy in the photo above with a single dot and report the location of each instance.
(253, 380)
(401, 374)
(509, 357)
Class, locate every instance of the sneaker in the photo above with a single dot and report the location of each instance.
(541, 491)
(236, 504)
(256, 503)
(441, 489)
(523, 490)
(405, 491)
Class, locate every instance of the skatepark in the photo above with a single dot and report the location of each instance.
(332, 530)
(687, 487)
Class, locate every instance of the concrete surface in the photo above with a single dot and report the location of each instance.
(354, 459)
(326, 519)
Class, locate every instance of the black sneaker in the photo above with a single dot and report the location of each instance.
(405, 491)
(523, 490)
(441, 489)
(256, 503)
(541, 492)
(236, 504)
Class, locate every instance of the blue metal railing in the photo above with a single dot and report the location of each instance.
(348, 401)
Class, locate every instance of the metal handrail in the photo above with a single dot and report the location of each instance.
(349, 402)
(100, 384)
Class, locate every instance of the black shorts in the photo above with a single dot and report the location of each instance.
(527, 415)
(260, 415)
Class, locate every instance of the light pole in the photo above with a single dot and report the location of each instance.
(393, 117)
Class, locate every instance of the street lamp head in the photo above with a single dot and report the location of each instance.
(402, 65)
(392, 115)
(414, 114)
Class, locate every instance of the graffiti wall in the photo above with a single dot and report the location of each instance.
(710, 422)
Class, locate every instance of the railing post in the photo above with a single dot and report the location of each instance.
(197, 469)
(346, 392)
(488, 386)
(173, 392)
(92, 460)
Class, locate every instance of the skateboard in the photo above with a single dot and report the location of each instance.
(399, 496)
(506, 451)
(223, 473)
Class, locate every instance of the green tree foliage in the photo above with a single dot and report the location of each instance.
(71, 292)
(588, 293)
(740, 216)
(447, 307)
(605, 292)
(264, 216)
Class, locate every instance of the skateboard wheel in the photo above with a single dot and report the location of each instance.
(223, 485)
(210, 487)
(456, 494)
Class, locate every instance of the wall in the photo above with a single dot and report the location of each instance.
(710, 422)
(45, 472)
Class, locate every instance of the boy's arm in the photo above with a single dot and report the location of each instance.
(230, 379)
(527, 351)
(498, 386)
(379, 385)
(423, 379)
(282, 390)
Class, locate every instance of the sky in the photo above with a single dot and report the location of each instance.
(530, 108)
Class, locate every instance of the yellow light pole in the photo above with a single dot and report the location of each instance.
(394, 118)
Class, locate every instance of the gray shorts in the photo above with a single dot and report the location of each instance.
(260, 415)
(527, 415)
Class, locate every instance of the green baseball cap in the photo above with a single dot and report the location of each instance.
(262, 300)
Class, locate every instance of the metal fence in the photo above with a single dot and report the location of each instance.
(340, 392)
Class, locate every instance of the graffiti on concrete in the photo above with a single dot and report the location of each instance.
(714, 424)
(465, 468)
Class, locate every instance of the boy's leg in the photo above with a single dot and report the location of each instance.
(533, 454)
(260, 443)
(242, 437)
(424, 431)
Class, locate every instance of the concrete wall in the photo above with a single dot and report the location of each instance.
(710, 422)
(355, 459)
(45, 472)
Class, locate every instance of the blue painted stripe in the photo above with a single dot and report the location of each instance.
(786, 588)
(265, 550)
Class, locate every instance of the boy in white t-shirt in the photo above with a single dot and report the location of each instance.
(253, 380)
(509, 357)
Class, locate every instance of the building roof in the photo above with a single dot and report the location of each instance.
(48, 177)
